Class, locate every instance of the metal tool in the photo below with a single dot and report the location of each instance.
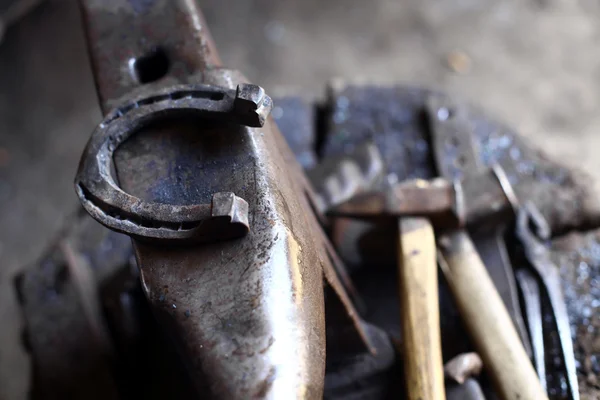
(531, 229)
(487, 320)
(455, 153)
(452, 205)
(533, 309)
(449, 204)
(454, 144)
(417, 268)
(338, 179)
(246, 313)
(490, 314)
(484, 313)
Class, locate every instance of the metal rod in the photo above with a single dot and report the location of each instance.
(539, 258)
(533, 308)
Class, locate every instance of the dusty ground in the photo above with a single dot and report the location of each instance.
(531, 63)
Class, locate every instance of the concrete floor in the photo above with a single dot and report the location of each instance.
(533, 64)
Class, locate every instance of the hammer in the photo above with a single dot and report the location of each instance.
(418, 289)
(481, 198)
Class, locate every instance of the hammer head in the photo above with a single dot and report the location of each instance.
(338, 179)
(487, 197)
(480, 198)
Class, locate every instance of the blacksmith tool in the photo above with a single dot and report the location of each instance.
(487, 320)
(419, 304)
(341, 179)
(455, 155)
(338, 179)
(417, 268)
(533, 309)
(444, 202)
(496, 330)
(483, 311)
(532, 230)
(187, 162)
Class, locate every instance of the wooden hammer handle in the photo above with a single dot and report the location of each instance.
(420, 310)
(488, 321)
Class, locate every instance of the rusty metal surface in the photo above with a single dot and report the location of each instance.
(121, 32)
(296, 119)
(165, 167)
(477, 198)
(64, 331)
(225, 217)
(246, 315)
(393, 118)
(577, 256)
(435, 198)
(338, 179)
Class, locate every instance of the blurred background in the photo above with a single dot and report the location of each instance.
(533, 64)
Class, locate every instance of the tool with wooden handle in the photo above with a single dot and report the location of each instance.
(481, 198)
(487, 320)
(418, 287)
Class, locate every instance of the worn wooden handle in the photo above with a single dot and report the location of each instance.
(488, 321)
(420, 310)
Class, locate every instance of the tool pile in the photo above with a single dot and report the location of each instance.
(255, 279)
(473, 201)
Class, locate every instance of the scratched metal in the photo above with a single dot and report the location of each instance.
(246, 315)
(121, 31)
(393, 118)
(578, 256)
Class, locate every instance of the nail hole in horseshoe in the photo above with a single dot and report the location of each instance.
(150, 67)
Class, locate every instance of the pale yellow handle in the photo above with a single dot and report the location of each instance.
(488, 321)
(419, 303)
